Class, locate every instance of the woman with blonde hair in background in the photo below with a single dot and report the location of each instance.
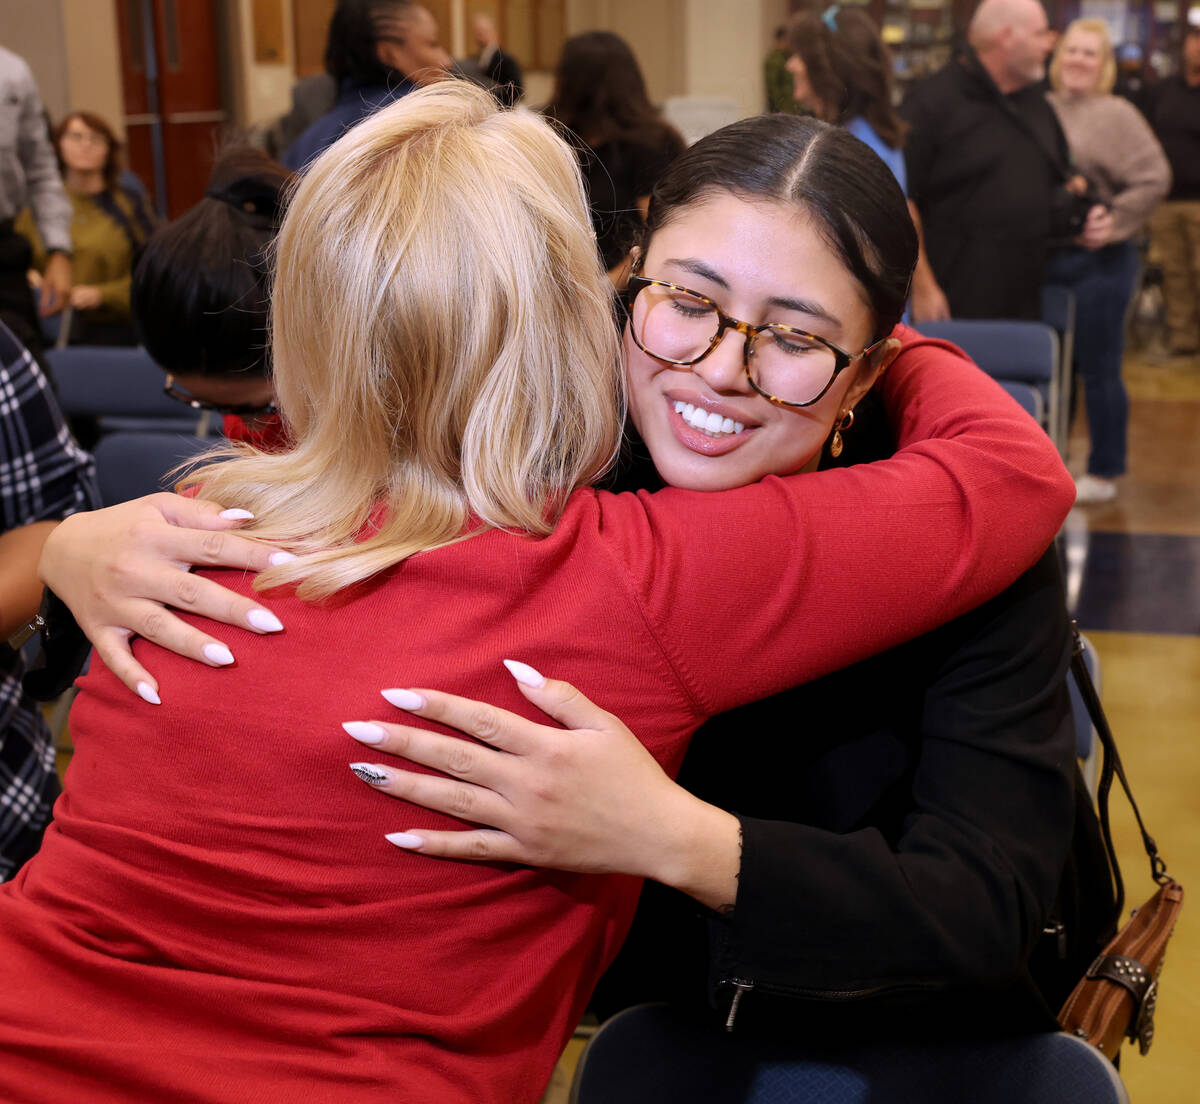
(216, 913)
(1123, 168)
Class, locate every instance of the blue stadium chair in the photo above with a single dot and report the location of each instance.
(1016, 352)
(129, 465)
(1058, 312)
(120, 386)
(1029, 398)
(651, 1055)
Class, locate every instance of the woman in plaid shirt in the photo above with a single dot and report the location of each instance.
(44, 477)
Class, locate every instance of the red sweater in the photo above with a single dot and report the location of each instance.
(215, 914)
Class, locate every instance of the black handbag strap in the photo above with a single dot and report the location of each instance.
(1111, 768)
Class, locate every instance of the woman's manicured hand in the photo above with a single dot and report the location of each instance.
(587, 798)
(119, 569)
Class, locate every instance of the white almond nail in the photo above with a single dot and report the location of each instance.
(147, 693)
(277, 558)
(236, 515)
(524, 674)
(365, 732)
(218, 654)
(405, 839)
(264, 620)
(404, 699)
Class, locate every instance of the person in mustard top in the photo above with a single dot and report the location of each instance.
(109, 225)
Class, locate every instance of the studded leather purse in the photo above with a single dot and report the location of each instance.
(1117, 997)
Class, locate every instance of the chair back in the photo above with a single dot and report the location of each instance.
(1017, 352)
(651, 1054)
(129, 465)
(1030, 399)
(1058, 312)
(116, 382)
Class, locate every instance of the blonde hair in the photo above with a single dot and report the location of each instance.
(1108, 64)
(445, 353)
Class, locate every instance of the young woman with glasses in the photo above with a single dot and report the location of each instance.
(912, 853)
(448, 374)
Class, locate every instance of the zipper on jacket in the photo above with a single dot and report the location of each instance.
(739, 987)
(1057, 929)
(742, 986)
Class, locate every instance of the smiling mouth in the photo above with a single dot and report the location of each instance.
(709, 423)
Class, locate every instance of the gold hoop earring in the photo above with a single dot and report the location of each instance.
(836, 445)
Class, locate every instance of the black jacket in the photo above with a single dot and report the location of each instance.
(985, 172)
(1173, 108)
(906, 827)
(506, 72)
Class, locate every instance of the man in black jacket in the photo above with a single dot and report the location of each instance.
(495, 64)
(986, 162)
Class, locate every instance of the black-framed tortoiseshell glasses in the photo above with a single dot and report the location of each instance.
(786, 365)
(244, 410)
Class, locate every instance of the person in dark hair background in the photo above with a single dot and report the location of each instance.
(201, 294)
(377, 51)
(622, 140)
(842, 72)
(109, 226)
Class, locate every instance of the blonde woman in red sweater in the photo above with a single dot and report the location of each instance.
(216, 909)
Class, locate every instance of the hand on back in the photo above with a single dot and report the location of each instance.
(123, 569)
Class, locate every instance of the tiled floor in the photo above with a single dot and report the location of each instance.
(1134, 576)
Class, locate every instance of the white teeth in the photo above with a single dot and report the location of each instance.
(711, 424)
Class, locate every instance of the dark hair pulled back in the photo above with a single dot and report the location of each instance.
(848, 192)
(201, 291)
(849, 68)
(354, 29)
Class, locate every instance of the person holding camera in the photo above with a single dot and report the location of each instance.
(1123, 177)
(987, 165)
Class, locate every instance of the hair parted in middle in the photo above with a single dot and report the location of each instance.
(445, 353)
(1108, 65)
(823, 171)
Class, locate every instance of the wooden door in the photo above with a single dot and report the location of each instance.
(170, 67)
